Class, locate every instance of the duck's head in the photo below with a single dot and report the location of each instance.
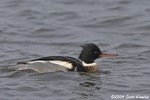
(91, 52)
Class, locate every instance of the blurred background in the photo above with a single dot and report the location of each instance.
(35, 28)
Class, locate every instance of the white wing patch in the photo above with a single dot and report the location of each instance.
(61, 63)
(32, 62)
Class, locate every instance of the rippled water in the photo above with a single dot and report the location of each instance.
(35, 28)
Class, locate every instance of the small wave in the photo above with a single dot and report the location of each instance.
(129, 46)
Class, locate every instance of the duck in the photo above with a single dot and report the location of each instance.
(84, 63)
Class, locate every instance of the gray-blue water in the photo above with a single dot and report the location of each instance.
(35, 28)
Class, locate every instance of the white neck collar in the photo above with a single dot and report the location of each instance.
(90, 64)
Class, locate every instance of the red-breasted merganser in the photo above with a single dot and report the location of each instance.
(85, 63)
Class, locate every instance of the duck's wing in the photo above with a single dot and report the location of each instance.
(52, 64)
(76, 65)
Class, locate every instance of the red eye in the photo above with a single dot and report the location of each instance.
(95, 52)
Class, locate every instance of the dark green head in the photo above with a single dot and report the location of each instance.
(90, 52)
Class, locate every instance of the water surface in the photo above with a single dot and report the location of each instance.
(35, 28)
